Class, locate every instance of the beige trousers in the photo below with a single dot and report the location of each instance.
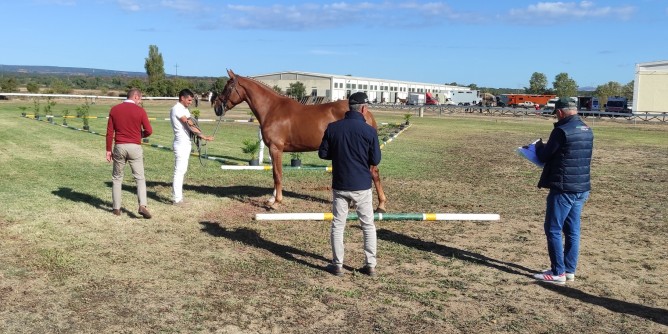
(363, 200)
(134, 155)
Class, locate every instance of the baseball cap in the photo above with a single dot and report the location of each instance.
(565, 103)
(358, 98)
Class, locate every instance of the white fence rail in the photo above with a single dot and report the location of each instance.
(93, 97)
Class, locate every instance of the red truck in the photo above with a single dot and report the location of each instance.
(514, 100)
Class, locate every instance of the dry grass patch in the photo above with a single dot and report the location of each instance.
(68, 265)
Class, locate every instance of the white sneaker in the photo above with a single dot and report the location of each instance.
(546, 276)
(570, 277)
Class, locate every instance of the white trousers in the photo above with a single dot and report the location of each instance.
(181, 158)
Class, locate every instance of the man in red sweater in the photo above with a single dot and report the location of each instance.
(127, 125)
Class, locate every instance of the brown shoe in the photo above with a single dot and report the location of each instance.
(334, 269)
(143, 211)
(116, 212)
(369, 271)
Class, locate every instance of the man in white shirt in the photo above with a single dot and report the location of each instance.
(184, 128)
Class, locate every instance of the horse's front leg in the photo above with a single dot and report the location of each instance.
(277, 169)
(375, 175)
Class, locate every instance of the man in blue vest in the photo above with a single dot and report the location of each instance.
(567, 158)
(353, 147)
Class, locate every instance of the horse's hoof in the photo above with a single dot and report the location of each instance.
(379, 210)
(272, 206)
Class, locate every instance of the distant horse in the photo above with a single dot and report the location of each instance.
(287, 125)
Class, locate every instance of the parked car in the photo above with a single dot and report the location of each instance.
(526, 105)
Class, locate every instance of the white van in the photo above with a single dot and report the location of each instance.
(550, 103)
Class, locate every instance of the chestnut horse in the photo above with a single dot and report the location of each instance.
(287, 125)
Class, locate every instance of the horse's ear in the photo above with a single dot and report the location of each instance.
(230, 74)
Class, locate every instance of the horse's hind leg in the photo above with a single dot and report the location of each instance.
(382, 200)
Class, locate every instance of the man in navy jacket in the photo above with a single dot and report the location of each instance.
(353, 147)
(567, 158)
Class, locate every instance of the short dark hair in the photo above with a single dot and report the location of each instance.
(186, 93)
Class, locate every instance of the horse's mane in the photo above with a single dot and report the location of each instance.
(265, 85)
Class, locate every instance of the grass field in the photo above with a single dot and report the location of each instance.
(67, 265)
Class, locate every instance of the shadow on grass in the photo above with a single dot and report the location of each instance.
(657, 315)
(150, 194)
(445, 251)
(660, 316)
(251, 238)
(239, 192)
(75, 196)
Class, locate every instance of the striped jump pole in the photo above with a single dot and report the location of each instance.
(269, 167)
(381, 216)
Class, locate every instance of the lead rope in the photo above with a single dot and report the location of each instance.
(201, 145)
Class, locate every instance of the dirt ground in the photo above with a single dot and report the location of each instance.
(68, 266)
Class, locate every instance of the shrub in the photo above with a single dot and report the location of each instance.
(251, 147)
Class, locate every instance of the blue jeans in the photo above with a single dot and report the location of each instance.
(562, 214)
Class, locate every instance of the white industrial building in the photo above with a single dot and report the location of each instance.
(651, 87)
(339, 87)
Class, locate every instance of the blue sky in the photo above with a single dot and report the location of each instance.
(490, 43)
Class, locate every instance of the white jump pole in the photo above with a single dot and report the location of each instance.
(381, 216)
(269, 167)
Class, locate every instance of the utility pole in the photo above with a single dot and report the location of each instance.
(177, 69)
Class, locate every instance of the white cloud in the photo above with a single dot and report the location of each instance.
(337, 14)
(551, 12)
(182, 5)
(129, 5)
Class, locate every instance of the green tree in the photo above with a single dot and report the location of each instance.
(154, 65)
(612, 88)
(32, 87)
(564, 86)
(537, 84)
(136, 83)
(627, 90)
(58, 86)
(9, 85)
(297, 89)
(219, 84)
(180, 84)
(164, 87)
(277, 89)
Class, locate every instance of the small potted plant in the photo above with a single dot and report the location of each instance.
(36, 107)
(252, 148)
(196, 113)
(295, 159)
(83, 111)
(407, 118)
(66, 113)
(23, 110)
(47, 109)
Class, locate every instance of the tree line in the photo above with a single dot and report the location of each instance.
(562, 85)
(565, 86)
(157, 83)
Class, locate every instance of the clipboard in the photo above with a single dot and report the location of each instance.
(529, 153)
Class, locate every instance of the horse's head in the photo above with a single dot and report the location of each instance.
(231, 95)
